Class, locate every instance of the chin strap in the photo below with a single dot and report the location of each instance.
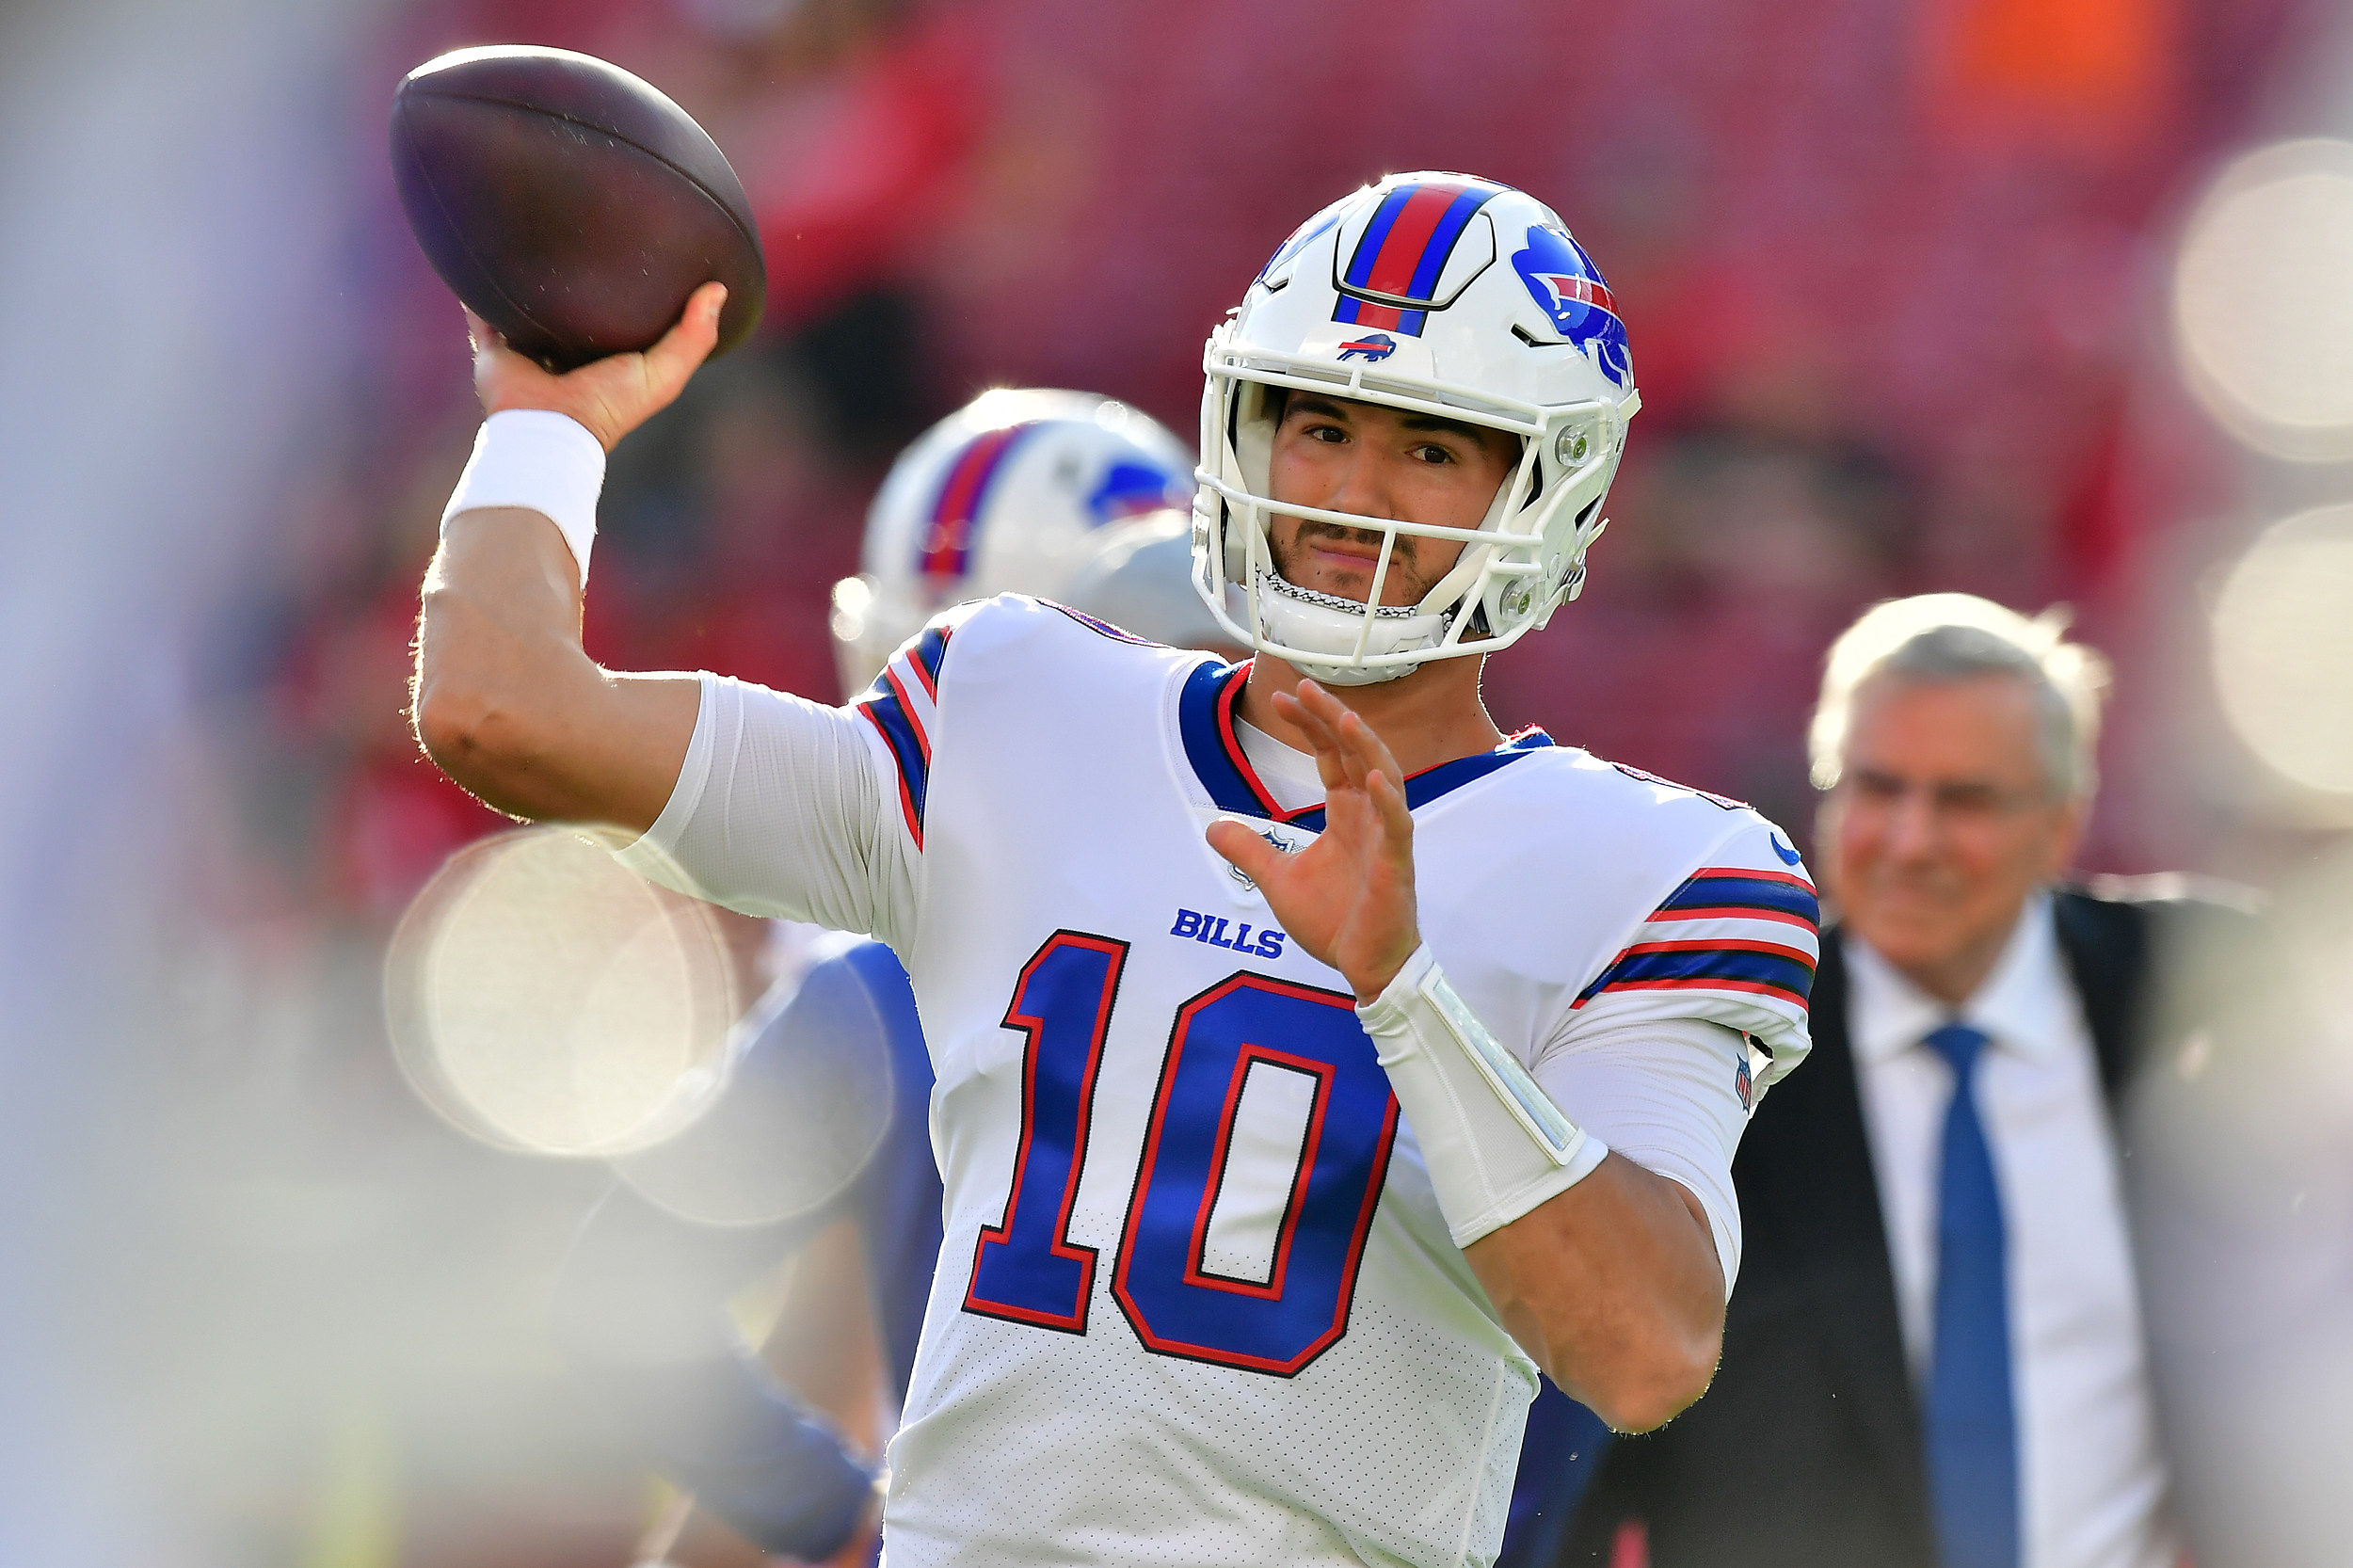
(1277, 595)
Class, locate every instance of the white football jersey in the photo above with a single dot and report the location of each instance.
(1197, 1302)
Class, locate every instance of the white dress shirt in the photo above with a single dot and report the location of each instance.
(2091, 1482)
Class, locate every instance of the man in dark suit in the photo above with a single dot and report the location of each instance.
(1938, 1353)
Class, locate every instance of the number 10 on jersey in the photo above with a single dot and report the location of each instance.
(1028, 1270)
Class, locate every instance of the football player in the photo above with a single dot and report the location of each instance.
(1063, 494)
(1314, 1061)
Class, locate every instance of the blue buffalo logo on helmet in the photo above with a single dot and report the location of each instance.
(1372, 347)
(1132, 489)
(1568, 287)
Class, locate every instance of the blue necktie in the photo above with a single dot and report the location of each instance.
(1972, 1427)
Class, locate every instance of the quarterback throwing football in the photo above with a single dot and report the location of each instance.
(1315, 1063)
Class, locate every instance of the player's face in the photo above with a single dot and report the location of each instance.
(1942, 825)
(1377, 462)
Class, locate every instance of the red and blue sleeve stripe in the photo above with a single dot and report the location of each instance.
(902, 705)
(1713, 965)
(1754, 895)
(925, 655)
(1725, 928)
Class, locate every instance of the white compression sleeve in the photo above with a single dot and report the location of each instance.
(1495, 1144)
(541, 462)
(785, 808)
(1665, 1093)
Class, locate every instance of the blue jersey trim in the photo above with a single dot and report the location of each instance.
(1206, 718)
(1429, 784)
(929, 653)
(890, 719)
(1735, 894)
(1106, 627)
(1752, 968)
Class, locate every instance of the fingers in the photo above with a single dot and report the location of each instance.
(1244, 850)
(1320, 734)
(1396, 819)
(689, 340)
(1347, 749)
(502, 377)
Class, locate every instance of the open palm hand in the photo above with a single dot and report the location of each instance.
(1348, 898)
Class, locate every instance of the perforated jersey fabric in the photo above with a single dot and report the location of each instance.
(1197, 1302)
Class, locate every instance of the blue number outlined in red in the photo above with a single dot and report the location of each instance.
(1026, 1267)
(1176, 1306)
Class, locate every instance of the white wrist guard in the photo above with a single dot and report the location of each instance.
(1495, 1144)
(541, 461)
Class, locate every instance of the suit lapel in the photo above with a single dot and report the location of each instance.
(1829, 1206)
(2104, 943)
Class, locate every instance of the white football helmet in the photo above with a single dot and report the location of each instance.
(1440, 294)
(1139, 577)
(1003, 496)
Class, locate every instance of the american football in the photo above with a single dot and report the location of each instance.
(569, 203)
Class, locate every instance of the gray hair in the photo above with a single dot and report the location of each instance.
(1941, 637)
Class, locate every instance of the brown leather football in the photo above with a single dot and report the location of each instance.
(569, 204)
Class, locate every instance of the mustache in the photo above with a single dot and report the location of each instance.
(1311, 529)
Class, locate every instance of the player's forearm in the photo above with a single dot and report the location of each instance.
(1613, 1286)
(508, 703)
(1595, 1264)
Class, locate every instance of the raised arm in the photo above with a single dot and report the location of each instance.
(506, 700)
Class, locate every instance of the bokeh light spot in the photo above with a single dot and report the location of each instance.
(2263, 300)
(544, 998)
(2284, 647)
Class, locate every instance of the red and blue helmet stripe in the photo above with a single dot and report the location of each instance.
(1403, 251)
(945, 550)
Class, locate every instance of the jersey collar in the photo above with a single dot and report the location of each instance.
(1204, 717)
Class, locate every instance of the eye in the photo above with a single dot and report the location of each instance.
(1433, 453)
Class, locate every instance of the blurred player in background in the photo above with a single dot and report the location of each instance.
(1060, 494)
(1259, 1218)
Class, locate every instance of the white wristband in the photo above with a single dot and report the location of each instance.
(541, 461)
(1496, 1146)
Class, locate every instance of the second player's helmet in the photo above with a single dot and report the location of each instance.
(1003, 496)
(1438, 294)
